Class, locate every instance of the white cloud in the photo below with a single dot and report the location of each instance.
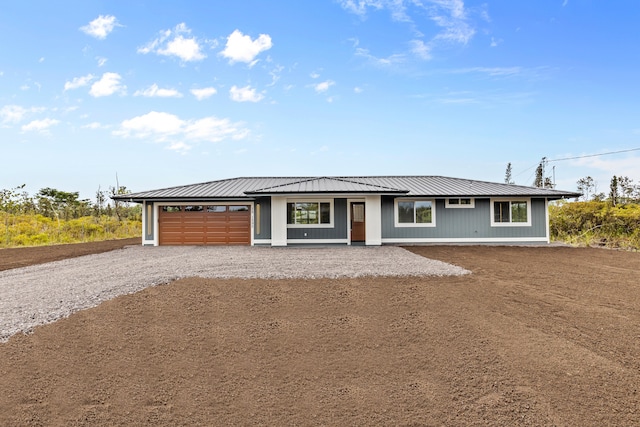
(204, 92)
(154, 91)
(357, 89)
(158, 126)
(185, 49)
(15, 113)
(420, 49)
(101, 26)
(77, 82)
(275, 74)
(40, 125)
(323, 86)
(108, 85)
(359, 7)
(166, 127)
(244, 94)
(381, 62)
(93, 126)
(101, 61)
(12, 114)
(492, 71)
(214, 130)
(241, 48)
(174, 43)
(179, 147)
(449, 16)
(322, 149)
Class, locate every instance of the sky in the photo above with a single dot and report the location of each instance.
(154, 94)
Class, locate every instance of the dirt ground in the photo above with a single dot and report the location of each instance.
(536, 336)
(23, 257)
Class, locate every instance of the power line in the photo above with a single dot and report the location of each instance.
(578, 157)
(594, 155)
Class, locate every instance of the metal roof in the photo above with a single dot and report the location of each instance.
(426, 186)
(327, 185)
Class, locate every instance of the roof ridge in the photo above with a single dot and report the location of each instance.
(300, 179)
(350, 179)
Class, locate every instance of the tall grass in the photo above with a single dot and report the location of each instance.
(38, 230)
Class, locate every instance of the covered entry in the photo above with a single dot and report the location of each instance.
(205, 225)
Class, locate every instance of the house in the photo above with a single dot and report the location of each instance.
(370, 210)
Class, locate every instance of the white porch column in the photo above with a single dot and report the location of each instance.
(278, 221)
(373, 212)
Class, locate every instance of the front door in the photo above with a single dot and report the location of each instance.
(357, 222)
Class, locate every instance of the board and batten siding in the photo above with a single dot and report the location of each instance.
(337, 232)
(471, 224)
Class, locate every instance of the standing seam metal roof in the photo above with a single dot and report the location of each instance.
(426, 186)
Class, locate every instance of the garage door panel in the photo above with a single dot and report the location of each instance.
(200, 227)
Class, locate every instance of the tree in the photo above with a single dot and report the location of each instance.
(10, 204)
(586, 186)
(507, 175)
(613, 191)
(539, 180)
(54, 203)
(627, 189)
(117, 204)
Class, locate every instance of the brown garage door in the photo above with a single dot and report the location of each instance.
(205, 225)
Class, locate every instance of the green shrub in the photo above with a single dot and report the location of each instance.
(596, 223)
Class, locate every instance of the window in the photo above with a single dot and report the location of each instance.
(216, 208)
(193, 208)
(238, 208)
(510, 212)
(460, 202)
(415, 213)
(309, 213)
(171, 208)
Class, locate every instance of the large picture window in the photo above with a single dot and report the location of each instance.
(305, 213)
(510, 212)
(415, 213)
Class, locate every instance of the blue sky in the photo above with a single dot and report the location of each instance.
(166, 93)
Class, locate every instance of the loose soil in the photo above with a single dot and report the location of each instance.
(23, 257)
(536, 336)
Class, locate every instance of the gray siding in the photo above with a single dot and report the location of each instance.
(463, 223)
(265, 218)
(339, 230)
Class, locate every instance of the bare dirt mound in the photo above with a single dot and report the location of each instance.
(23, 257)
(535, 336)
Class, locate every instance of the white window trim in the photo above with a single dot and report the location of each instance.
(459, 206)
(297, 200)
(511, 224)
(396, 219)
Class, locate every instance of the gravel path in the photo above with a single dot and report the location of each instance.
(44, 293)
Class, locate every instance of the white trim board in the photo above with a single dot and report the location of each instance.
(316, 241)
(467, 240)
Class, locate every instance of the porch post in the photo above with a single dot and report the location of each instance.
(278, 221)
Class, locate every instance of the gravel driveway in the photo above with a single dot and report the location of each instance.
(44, 293)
